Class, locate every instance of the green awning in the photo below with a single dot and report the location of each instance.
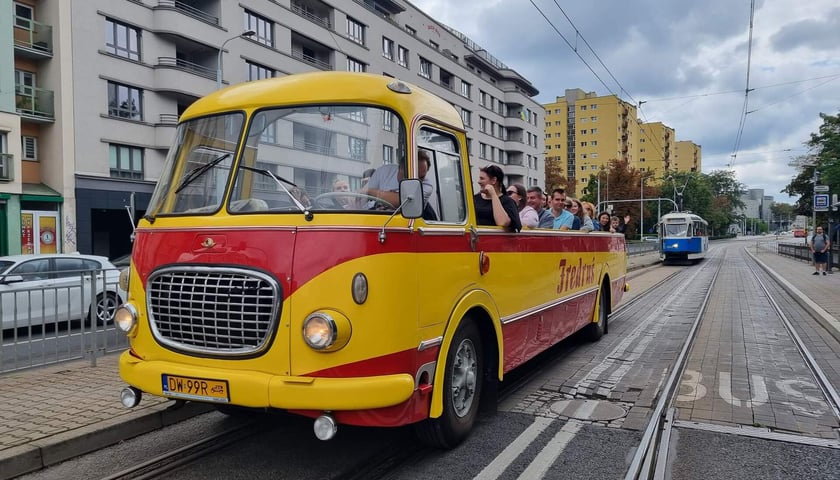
(38, 192)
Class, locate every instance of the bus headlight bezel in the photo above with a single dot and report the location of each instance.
(326, 331)
(125, 318)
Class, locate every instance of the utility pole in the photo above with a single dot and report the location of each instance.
(813, 206)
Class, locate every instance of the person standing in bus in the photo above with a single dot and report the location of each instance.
(819, 248)
(492, 206)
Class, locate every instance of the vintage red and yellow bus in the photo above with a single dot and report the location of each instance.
(269, 271)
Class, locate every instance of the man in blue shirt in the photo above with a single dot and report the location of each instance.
(563, 219)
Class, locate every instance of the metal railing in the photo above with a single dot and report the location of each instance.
(186, 66)
(298, 54)
(801, 251)
(303, 12)
(189, 10)
(70, 318)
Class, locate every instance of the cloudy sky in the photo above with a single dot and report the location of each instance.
(686, 60)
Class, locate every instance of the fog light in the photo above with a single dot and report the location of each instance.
(325, 427)
(130, 397)
(126, 318)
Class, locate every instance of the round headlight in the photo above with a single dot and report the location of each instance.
(359, 288)
(124, 274)
(319, 331)
(125, 318)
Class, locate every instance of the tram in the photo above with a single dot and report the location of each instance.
(683, 236)
(272, 272)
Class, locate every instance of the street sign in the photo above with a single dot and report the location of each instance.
(821, 202)
(820, 188)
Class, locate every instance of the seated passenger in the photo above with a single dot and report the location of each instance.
(492, 206)
(384, 183)
(563, 219)
(536, 199)
(603, 223)
(343, 186)
(527, 215)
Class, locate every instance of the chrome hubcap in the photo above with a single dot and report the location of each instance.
(464, 378)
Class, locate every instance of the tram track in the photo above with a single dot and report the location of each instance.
(651, 460)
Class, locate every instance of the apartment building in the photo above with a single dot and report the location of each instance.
(687, 157)
(120, 72)
(585, 132)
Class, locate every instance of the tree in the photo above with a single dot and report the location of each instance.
(825, 159)
(555, 167)
(727, 191)
(782, 214)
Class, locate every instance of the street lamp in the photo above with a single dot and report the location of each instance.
(247, 33)
(642, 209)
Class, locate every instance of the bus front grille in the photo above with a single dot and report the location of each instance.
(215, 311)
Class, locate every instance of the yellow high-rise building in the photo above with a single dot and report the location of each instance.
(687, 157)
(585, 131)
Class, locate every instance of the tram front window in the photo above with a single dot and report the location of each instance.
(675, 230)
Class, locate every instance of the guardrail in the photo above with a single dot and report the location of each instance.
(801, 251)
(69, 319)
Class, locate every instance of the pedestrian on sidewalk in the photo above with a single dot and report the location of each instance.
(819, 247)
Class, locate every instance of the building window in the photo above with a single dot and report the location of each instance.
(583, 107)
(446, 78)
(29, 147)
(258, 72)
(388, 48)
(263, 26)
(125, 161)
(402, 56)
(434, 45)
(355, 31)
(357, 148)
(466, 89)
(593, 143)
(593, 131)
(593, 107)
(264, 182)
(425, 68)
(594, 119)
(594, 155)
(410, 30)
(466, 116)
(23, 16)
(122, 40)
(387, 154)
(388, 121)
(354, 65)
(25, 84)
(125, 101)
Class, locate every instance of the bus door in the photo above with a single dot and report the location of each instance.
(444, 238)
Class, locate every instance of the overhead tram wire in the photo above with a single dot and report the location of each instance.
(657, 145)
(744, 109)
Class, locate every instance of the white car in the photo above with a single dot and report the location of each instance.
(52, 288)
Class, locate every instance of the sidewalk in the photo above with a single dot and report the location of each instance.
(51, 414)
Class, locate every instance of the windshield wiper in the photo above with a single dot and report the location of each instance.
(279, 180)
(199, 171)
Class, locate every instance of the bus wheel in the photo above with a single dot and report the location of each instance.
(596, 330)
(461, 390)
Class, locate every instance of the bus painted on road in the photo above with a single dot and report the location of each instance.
(288, 260)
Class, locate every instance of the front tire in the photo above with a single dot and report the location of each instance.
(462, 385)
(596, 330)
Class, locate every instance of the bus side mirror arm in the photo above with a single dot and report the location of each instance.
(411, 203)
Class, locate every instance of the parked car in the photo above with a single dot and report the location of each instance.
(51, 288)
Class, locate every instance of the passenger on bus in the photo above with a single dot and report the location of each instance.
(342, 186)
(603, 223)
(492, 206)
(536, 199)
(384, 183)
(588, 214)
(563, 219)
(616, 226)
(527, 215)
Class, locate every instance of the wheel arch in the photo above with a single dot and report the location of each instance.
(476, 306)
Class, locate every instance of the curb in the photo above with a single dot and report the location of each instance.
(49, 451)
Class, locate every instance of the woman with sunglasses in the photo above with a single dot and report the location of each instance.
(527, 215)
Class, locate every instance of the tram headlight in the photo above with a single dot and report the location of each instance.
(125, 318)
(326, 331)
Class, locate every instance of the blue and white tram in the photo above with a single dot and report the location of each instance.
(683, 236)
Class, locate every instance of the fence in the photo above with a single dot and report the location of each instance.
(801, 251)
(51, 317)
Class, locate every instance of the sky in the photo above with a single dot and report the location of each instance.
(687, 61)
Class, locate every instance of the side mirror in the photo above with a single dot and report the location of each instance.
(411, 198)
(11, 279)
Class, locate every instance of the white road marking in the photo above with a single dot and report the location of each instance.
(495, 469)
(758, 386)
(548, 455)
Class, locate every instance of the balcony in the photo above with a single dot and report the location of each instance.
(37, 106)
(7, 162)
(311, 52)
(184, 77)
(314, 11)
(35, 42)
(196, 9)
(187, 66)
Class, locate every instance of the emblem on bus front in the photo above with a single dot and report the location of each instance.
(208, 243)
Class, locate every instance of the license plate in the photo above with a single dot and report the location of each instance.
(193, 388)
